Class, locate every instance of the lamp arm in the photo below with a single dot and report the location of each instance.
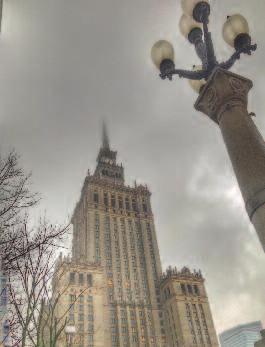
(211, 59)
(236, 56)
(231, 61)
(191, 75)
(201, 51)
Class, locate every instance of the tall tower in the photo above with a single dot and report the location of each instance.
(113, 227)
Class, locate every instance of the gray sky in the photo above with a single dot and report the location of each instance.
(65, 65)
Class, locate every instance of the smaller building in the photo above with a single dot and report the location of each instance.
(244, 335)
(188, 315)
(261, 343)
(78, 303)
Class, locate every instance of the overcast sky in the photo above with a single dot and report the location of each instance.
(65, 65)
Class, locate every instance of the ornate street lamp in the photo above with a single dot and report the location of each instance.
(223, 97)
(70, 331)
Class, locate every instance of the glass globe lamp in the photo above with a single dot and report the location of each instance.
(192, 8)
(187, 24)
(197, 85)
(236, 32)
(162, 51)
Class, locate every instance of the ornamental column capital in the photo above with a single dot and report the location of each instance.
(223, 90)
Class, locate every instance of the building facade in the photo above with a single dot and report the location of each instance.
(188, 317)
(114, 237)
(113, 226)
(242, 335)
(79, 288)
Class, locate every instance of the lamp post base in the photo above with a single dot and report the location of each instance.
(224, 99)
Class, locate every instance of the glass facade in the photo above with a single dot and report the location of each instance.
(242, 335)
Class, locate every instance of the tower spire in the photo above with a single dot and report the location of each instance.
(105, 136)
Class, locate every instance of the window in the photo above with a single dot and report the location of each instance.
(127, 204)
(81, 279)
(113, 201)
(89, 280)
(90, 328)
(196, 289)
(95, 197)
(90, 318)
(189, 289)
(90, 298)
(106, 200)
(134, 206)
(144, 206)
(120, 202)
(3, 296)
(183, 288)
(72, 277)
(81, 328)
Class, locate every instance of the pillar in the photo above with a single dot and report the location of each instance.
(224, 99)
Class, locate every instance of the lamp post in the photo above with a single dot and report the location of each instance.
(223, 96)
(70, 331)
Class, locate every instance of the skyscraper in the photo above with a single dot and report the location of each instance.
(113, 226)
(244, 335)
(111, 285)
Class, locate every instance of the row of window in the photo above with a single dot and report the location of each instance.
(127, 203)
(79, 279)
(190, 289)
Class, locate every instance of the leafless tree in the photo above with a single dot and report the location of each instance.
(15, 200)
(15, 195)
(29, 285)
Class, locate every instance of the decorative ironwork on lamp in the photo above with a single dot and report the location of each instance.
(194, 26)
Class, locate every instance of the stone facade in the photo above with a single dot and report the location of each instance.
(188, 317)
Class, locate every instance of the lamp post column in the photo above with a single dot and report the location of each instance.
(224, 99)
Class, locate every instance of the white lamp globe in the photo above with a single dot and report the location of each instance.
(162, 50)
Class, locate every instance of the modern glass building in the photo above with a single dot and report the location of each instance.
(242, 335)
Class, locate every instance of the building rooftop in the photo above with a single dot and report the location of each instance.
(184, 273)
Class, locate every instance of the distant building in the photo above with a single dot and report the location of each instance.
(242, 335)
(261, 343)
(188, 315)
(4, 326)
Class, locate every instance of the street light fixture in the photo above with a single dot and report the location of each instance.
(194, 26)
(70, 331)
(223, 96)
